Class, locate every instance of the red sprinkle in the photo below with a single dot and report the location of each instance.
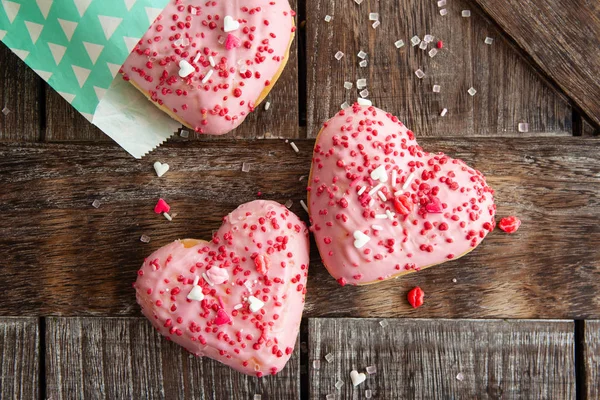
(440, 44)
(162, 207)
(509, 224)
(415, 297)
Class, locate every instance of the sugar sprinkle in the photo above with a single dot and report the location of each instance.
(303, 204)
(145, 239)
(371, 369)
(338, 56)
(96, 203)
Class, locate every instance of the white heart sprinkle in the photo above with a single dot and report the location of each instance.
(161, 168)
(255, 304)
(357, 378)
(230, 24)
(185, 68)
(380, 174)
(360, 239)
(196, 294)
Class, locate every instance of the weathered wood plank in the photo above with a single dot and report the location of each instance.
(509, 89)
(562, 37)
(280, 121)
(591, 353)
(588, 129)
(123, 358)
(19, 95)
(19, 361)
(422, 359)
(50, 231)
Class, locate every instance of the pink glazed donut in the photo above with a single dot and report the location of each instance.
(380, 206)
(237, 299)
(208, 64)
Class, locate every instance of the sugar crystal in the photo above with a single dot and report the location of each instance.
(289, 203)
(373, 16)
(436, 88)
(347, 85)
(415, 40)
(363, 63)
(441, 3)
(339, 384)
(245, 167)
(184, 133)
(420, 74)
(399, 43)
(5, 111)
(358, 1)
(428, 38)
(364, 93)
(423, 45)
(327, 18)
(523, 127)
(145, 239)
(368, 394)
(329, 357)
(488, 40)
(364, 102)
(257, 397)
(344, 105)
(362, 55)
(331, 396)
(432, 53)
(339, 55)
(316, 364)
(443, 12)
(361, 83)
(466, 13)
(371, 369)
(376, 24)
(460, 377)
(472, 91)
(96, 203)
(383, 323)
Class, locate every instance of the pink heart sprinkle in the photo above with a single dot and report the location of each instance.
(434, 205)
(222, 317)
(232, 42)
(162, 207)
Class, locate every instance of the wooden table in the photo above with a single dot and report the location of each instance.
(517, 318)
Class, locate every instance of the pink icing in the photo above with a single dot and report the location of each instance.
(221, 326)
(446, 209)
(246, 60)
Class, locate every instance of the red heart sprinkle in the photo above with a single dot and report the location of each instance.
(232, 42)
(162, 207)
(403, 205)
(415, 297)
(509, 224)
(434, 205)
(222, 317)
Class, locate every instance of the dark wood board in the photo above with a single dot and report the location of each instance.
(509, 90)
(19, 358)
(19, 94)
(280, 121)
(125, 358)
(84, 259)
(421, 359)
(591, 360)
(563, 39)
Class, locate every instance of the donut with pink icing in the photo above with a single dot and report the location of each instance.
(380, 206)
(208, 64)
(237, 299)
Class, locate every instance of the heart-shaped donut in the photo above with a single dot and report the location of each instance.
(237, 299)
(208, 64)
(380, 206)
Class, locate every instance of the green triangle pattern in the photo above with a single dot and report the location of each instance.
(77, 46)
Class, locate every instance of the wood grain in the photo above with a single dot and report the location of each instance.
(280, 121)
(125, 358)
(562, 37)
(591, 360)
(84, 259)
(421, 359)
(509, 90)
(19, 94)
(19, 361)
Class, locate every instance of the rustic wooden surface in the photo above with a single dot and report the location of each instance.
(85, 258)
(125, 358)
(19, 93)
(509, 91)
(562, 37)
(19, 361)
(422, 359)
(591, 360)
